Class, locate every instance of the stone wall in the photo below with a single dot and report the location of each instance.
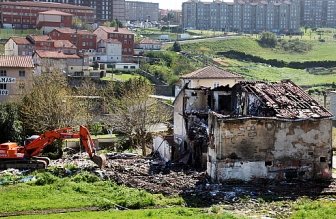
(250, 148)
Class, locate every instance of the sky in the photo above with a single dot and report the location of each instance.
(172, 4)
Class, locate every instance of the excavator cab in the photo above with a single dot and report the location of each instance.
(30, 139)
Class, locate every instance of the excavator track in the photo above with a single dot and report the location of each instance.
(35, 163)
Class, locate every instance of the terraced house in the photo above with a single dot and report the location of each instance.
(16, 73)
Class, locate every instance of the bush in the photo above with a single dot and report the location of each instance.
(45, 178)
(85, 177)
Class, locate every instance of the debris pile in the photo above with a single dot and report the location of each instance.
(157, 176)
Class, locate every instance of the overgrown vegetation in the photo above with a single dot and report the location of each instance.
(82, 189)
(167, 66)
(310, 209)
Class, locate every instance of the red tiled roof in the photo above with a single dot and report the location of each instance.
(20, 40)
(115, 41)
(73, 31)
(16, 61)
(63, 44)
(54, 12)
(211, 72)
(55, 54)
(113, 30)
(47, 5)
(38, 38)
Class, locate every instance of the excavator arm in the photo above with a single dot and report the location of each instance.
(35, 147)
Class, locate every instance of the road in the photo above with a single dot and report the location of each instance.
(203, 39)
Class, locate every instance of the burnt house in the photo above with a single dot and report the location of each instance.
(254, 129)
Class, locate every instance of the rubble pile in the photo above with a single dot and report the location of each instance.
(157, 176)
(154, 176)
(168, 178)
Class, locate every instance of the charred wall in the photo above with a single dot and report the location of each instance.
(248, 148)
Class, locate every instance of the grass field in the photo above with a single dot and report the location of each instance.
(249, 45)
(7, 33)
(254, 71)
(162, 213)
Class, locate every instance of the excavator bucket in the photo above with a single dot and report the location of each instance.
(99, 160)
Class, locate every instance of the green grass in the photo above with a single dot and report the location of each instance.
(122, 77)
(254, 71)
(7, 33)
(249, 45)
(308, 209)
(163, 213)
(83, 190)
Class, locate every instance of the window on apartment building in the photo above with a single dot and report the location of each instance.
(98, 58)
(83, 43)
(125, 41)
(125, 67)
(22, 73)
(216, 84)
(3, 73)
(90, 37)
(91, 44)
(75, 35)
(62, 18)
(129, 49)
(3, 86)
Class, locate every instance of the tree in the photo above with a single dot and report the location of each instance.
(96, 128)
(204, 49)
(79, 24)
(268, 39)
(10, 124)
(50, 104)
(136, 113)
(88, 96)
(177, 47)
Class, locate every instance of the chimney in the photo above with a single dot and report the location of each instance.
(117, 26)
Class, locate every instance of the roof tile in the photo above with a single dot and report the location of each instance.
(16, 61)
(20, 40)
(55, 54)
(211, 72)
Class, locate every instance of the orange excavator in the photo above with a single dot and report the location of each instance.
(28, 156)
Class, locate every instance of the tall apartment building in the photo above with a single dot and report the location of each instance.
(313, 13)
(106, 10)
(249, 17)
(24, 15)
(318, 13)
(141, 11)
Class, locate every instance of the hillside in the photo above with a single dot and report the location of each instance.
(320, 50)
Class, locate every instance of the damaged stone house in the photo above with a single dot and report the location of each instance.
(253, 129)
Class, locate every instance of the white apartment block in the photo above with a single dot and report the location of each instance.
(141, 11)
(249, 17)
